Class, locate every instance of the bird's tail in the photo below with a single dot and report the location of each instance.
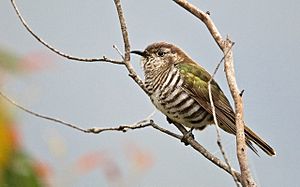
(253, 137)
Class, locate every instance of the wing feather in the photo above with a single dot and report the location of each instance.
(196, 84)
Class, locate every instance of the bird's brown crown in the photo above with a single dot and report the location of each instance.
(155, 47)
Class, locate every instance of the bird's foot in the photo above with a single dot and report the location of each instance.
(187, 135)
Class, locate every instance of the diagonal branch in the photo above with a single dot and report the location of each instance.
(217, 124)
(191, 141)
(225, 46)
(95, 130)
(103, 59)
(247, 179)
(205, 18)
(41, 115)
(132, 73)
(124, 31)
(138, 125)
(126, 61)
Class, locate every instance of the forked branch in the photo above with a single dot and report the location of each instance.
(148, 122)
(103, 59)
(225, 46)
(219, 142)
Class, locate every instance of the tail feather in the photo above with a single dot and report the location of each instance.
(251, 146)
(252, 136)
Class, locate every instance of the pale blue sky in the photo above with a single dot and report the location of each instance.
(267, 36)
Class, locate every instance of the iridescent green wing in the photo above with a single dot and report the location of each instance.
(196, 84)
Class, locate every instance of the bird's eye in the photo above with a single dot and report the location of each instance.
(161, 53)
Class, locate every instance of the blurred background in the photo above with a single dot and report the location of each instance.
(35, 152)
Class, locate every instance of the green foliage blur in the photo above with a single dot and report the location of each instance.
(17, 168)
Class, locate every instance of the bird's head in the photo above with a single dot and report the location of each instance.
(161, 55)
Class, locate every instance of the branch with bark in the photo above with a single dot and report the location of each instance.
(224, 44)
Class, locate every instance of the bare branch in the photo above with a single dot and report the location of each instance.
(40, 115)
(247, 179)
(205, 18)
(128, 65)
(219, 142)
(119, 52)
(138, 125)
(96, 130)
(132, 73)
(103, 59)
(123, 128)
(225, 46)
(191, 141)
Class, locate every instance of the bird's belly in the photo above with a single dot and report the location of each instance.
(182, 108)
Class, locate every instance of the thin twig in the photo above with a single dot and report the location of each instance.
(218, 65)
(225, 46)
(135, 77)
(124, 128)
(103, 59)
(191, 141)
(219, 142)
(247, 179)
(205, 18)
(41, 115)
(119, 52)
(95, 130)
(128, 65)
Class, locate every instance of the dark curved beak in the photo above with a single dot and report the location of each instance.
(141, 53)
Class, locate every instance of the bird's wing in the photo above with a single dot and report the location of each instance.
(196, 84)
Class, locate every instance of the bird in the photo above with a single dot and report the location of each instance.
(178, 87)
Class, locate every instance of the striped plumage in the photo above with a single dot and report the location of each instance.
(168, 95)
(178, 87)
